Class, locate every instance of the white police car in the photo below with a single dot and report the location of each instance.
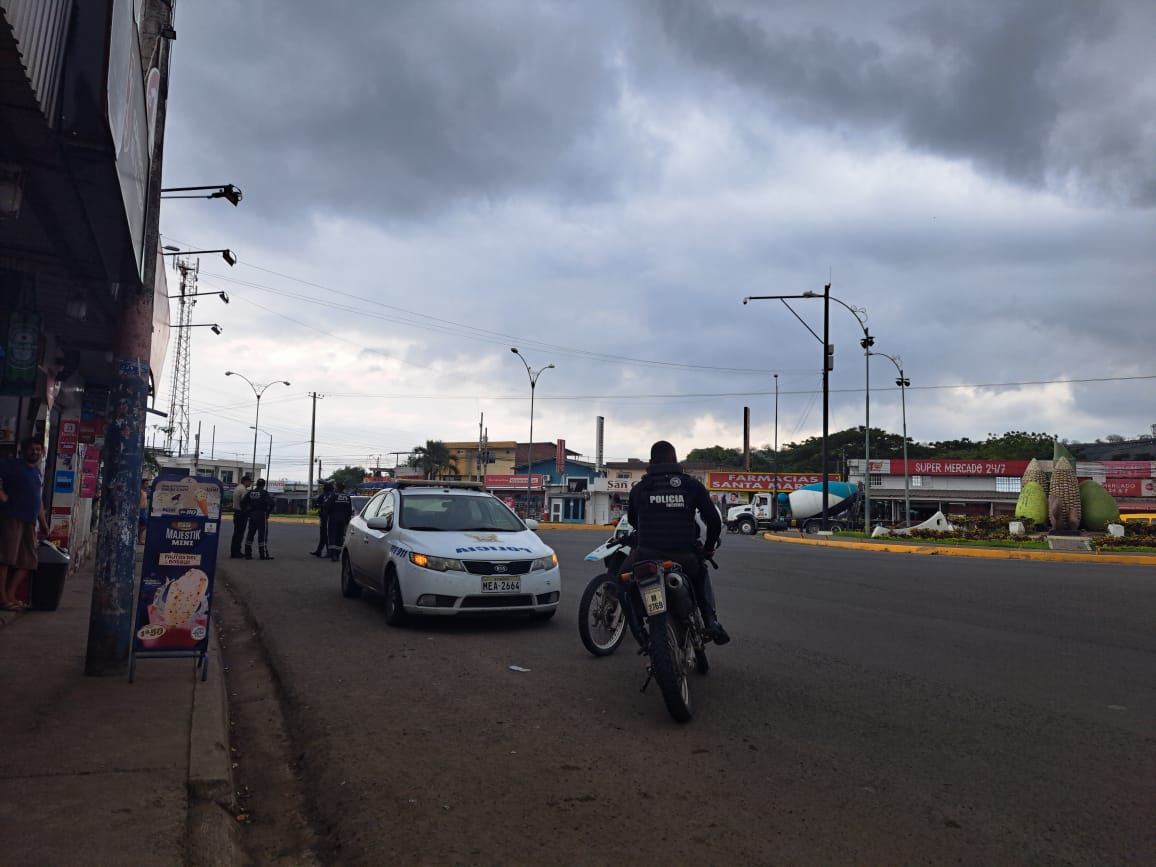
(447, 548)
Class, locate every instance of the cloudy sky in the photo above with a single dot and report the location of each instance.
(601, 183)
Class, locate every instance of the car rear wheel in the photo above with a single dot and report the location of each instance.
(393, 606)
(350, 589)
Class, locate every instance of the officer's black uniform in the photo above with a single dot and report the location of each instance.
(259, 504)
(340, 511)
(324, 501)
(662, 511)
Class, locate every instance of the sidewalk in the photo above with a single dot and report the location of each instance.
(95, 770)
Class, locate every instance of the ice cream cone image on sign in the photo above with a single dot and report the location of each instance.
(202, 500)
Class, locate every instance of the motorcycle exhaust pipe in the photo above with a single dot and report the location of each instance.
(678, 594)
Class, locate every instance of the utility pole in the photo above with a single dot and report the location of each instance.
(312, 440)
(114, 568)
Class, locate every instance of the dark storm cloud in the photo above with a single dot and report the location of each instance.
(1012, 87)
(401, 108)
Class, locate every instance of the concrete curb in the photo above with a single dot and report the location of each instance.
(983, 553)
(214, 837)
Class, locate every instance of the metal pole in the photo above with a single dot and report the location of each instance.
(903, 383)
(256, 422)
(867, 341)
(530, 447)
(827, 362)
(269, 463)
(775, 491)
(312, 439)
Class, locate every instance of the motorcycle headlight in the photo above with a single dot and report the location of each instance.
(544, 563)
(437, 564)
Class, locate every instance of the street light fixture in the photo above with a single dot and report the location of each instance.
(533, 375)
(213, 325)
(258, 390)
(903, 382)
(228, 255)
(223, 295)
(220, 191)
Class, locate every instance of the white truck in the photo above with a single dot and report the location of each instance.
(804, 507)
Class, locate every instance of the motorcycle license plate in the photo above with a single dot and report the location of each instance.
(654, 599)
(501, 585)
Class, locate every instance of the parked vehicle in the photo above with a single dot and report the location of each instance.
(803, 508)
(656, 602)
(447, 548)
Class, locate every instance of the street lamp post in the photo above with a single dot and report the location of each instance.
(269, 460)
(828, 364)
(903, 382)
(258, 390)
(775, 463)
(867, 342)
(533, 375)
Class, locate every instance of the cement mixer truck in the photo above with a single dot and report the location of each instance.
(802, 508)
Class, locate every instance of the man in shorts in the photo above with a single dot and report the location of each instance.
(21, 515)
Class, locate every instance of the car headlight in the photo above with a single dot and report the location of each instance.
(437, 564)
(544, 563)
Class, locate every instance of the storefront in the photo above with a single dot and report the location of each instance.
(526, 497)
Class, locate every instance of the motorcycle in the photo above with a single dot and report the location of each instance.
(656, 602)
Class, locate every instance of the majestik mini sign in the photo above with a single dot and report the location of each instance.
(180, 560)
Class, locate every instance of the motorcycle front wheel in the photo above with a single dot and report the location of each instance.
(667, 662)
(601, 618)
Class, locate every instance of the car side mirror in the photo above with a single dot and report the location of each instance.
(531, 524)
(380, 522)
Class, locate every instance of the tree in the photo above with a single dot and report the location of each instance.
(433, 459)
(718, 455)
(349, 476)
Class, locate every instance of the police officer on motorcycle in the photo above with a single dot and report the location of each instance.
(662, 510)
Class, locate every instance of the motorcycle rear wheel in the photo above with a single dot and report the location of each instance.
(601, 617)
(667, 666)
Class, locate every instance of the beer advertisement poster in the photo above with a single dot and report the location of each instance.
(180, 559)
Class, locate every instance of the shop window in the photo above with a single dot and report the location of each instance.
(1008, 484)
(917, 481)
(227, 477)
(576, 486)
(622, 474)
(876, 480)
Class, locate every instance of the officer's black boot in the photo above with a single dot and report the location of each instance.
(265, 554)
(713, 629)
(248, 552)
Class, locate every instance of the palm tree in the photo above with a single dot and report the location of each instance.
(433, 459)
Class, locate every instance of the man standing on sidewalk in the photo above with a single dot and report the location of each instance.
(21, 514)
(240, 516)
(259, 505)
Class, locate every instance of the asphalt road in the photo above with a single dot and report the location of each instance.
(872, 708)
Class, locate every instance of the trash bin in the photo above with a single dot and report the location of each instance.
(46, 584)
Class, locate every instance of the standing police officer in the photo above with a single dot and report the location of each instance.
(324, 501)
(240, 516)
(259, 504)
(340, 511)
(662, 511)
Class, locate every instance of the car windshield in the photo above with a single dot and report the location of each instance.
(457, 514)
